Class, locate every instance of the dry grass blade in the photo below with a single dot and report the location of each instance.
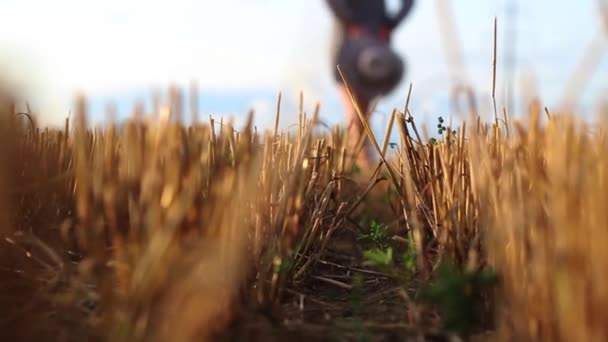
(368, 131)
(389, 130)
(278, 115)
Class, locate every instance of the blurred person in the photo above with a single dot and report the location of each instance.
(361, 46)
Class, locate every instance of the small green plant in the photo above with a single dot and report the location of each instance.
(409, 257)
(282, 265)
(460, 297)
(378, 257)
(441, 128)
(376, 234)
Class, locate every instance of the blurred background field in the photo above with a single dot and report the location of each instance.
(243, 52)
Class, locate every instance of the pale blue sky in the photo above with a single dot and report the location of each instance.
(259, 47)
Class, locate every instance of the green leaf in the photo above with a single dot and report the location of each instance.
(411, 243)
(377, 257)
(283, 266)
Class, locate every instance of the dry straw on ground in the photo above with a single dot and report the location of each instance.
(158, 231)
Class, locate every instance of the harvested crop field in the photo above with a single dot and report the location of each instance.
(158, 231)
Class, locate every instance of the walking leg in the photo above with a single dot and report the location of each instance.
(355, 129)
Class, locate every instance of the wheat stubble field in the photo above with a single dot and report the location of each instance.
(154, 230)
(158, 231)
